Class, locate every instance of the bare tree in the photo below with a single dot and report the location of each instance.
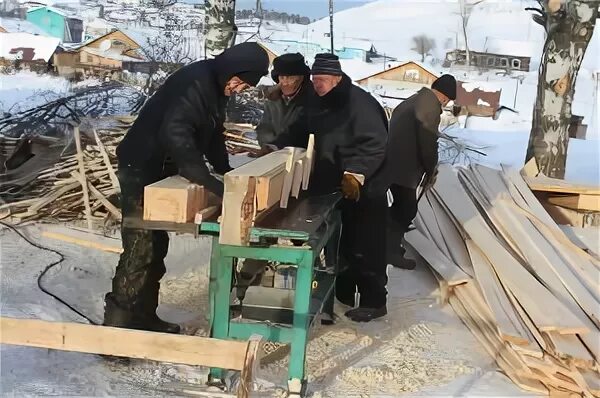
(423, 45)
(220, 29)
(465, 9)
(569, 26)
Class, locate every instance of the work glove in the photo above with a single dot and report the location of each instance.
(351, 187)
(264, 150)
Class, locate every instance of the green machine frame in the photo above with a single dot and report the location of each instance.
(312, 224)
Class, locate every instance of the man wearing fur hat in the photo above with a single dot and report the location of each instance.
(284, 122)
(411, 159)
(350, 138)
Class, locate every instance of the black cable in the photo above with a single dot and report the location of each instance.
(48, 268)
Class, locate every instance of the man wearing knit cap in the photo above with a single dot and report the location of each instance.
(411, 159)
(284, 122)
(180, 125)
(350, 138)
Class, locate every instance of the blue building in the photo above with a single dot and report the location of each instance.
(57, 23)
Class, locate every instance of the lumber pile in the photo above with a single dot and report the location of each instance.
(259, 186)
(81, 185)
(527, 293)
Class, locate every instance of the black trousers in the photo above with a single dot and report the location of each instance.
(401, 214)
(136, 282)
(363, 251)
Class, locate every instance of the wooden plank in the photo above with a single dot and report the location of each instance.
(294, 154)
(592, 379)
(298, 175)
(570, 348)
(430, 223)
(434, 257)
(268, 189)
(577, 202)
(190, 350)
(106, 159)
(585, 238)
(309, 162)
(546, 184)
(82, 242)
(238, 210)
(507, 321)
(534, 297)
(451, 235)
(82, 180)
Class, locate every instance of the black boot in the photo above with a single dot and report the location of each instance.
(363, 314)
(397, 259)
(147, 318)
(116, 315)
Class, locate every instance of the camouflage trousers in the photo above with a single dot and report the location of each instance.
(141, 266)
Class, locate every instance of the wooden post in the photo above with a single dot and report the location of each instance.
(82, 179)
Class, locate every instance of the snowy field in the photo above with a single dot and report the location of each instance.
(25, 90)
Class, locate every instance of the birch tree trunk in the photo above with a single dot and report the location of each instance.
(569, 26)
(220, 29)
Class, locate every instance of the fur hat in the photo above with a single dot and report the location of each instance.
(289, 65)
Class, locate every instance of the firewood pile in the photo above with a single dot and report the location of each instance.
(83, 184)
(527, 293)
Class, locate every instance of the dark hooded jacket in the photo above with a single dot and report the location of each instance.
(350, 130)
(285, 122)
(183, 120)
(413, 142)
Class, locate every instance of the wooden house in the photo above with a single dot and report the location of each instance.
(100, 56)
(27, 51)
(408, 77)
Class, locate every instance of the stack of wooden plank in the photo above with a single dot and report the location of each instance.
(259, 186)
(528, 294)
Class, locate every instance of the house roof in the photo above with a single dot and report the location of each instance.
(110, 54)
(420, 65)
(15, 25)
(77, 46)
(482, 98)
(56, 10)
(510, 47)
(27, 47)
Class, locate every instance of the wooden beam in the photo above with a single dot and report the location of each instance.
(298, 175)
(82, 242)
(577, 202)
(82, 179)
(164, 347)
(309, 162)
(546, 184)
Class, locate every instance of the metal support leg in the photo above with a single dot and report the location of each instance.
(301, 322)
(220, 288)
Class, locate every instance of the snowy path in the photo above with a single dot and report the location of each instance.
(419, 349)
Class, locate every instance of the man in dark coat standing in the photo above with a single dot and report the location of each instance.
(350, 130)
(284, 122)
(411, 159)
(180, 125)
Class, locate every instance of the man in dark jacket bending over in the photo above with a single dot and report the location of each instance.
(350, 138)
(412, 157)
(284, 122)
(179, 125)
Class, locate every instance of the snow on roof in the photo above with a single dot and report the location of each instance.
(483, 86)
(56, 10)
(15, 25)
(510, 47)
(27, 47)
(111, 54)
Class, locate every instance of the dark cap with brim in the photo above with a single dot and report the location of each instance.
(327, 64)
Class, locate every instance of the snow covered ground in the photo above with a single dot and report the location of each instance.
(421, 344)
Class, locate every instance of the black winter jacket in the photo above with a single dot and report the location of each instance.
(350, 130)
(286, 123)
(183, 120)
(413, 141)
